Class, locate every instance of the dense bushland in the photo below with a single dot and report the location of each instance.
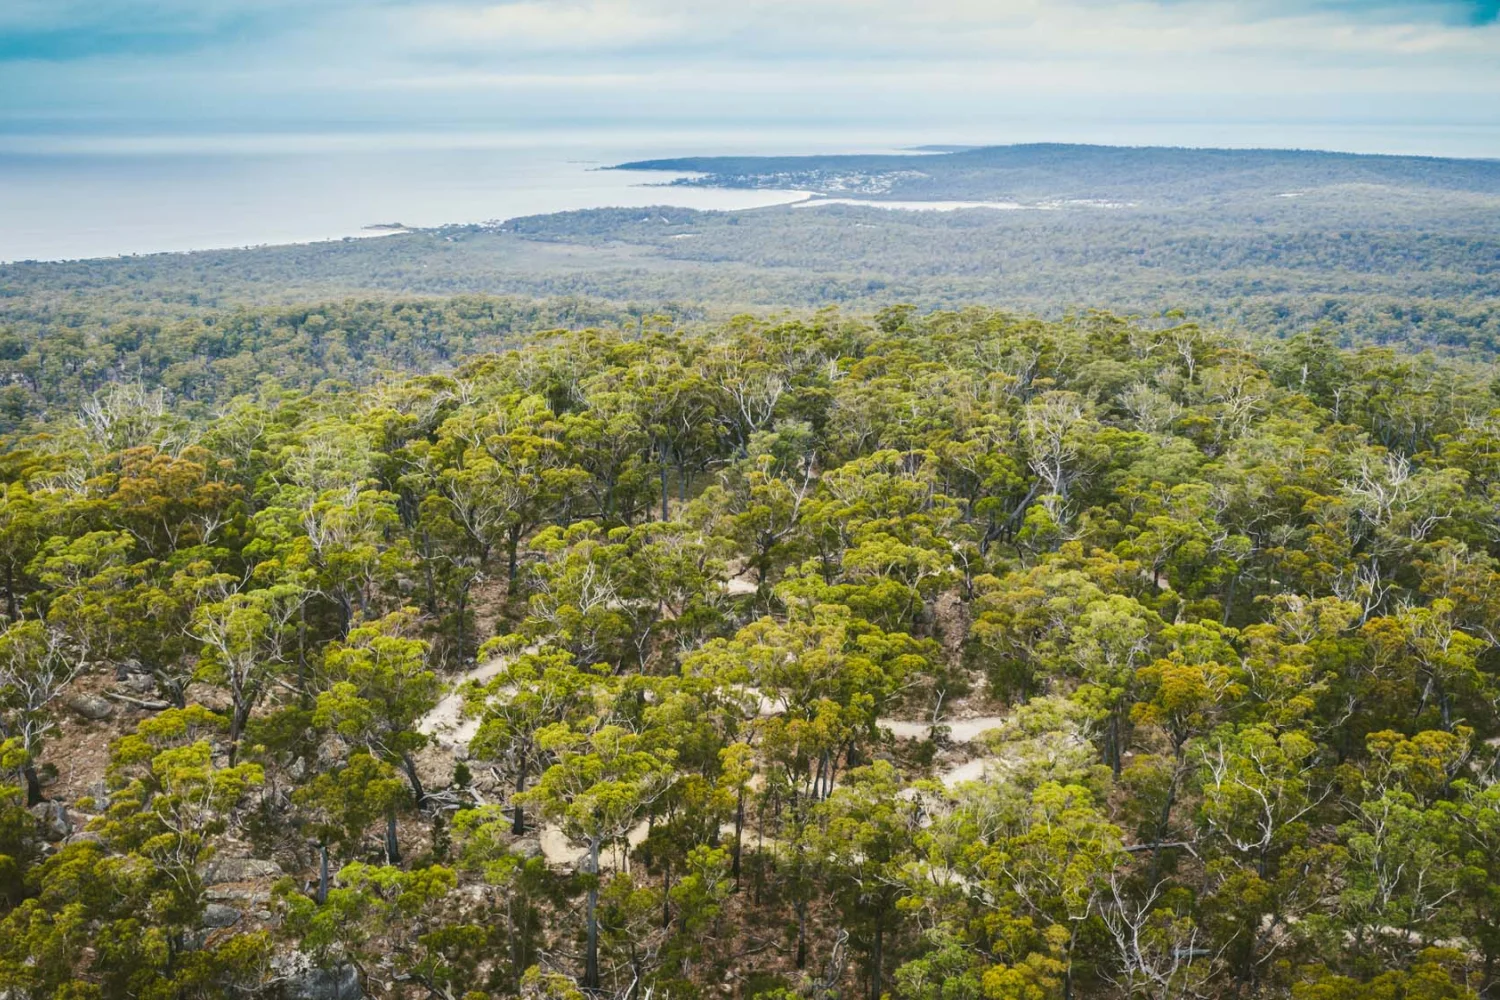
(950, 656)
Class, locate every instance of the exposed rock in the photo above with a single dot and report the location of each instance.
(330, 752)
(53, 817)
(209, 696)
(219, 915)
(86, 837)
(526, 848)
(247, 897)
(435, 768)
(90, 706)
(324, 984)
(99, 792)
(127, 668)
(229, 869)
(138, 684)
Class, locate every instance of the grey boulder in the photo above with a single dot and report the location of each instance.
(219, 915)
(239, 870)
(341, 983)
(90, 706)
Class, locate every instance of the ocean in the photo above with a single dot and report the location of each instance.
(61, 204)
(69, 196)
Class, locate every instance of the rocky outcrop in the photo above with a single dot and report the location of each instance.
(341, 983)
(53, 819)
(93, 707)
(220, 915)
(233, 869)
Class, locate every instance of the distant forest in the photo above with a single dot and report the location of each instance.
(1042, 171)
(1388, 250)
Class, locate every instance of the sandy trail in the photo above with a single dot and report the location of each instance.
(562, 852)
(446, 722)
(959, 730)
(449, 727)
(970, 770)
(739, 587)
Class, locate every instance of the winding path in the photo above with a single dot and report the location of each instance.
(452, 730)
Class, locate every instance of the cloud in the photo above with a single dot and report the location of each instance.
(818, 34)
(607, 61)
(546, 25)
(78, 29)
(1471, 12)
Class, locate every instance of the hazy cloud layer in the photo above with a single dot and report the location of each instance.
(590, 61)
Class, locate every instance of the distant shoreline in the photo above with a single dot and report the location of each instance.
(365, 233)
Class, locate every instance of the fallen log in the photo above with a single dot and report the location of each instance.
(146, 703)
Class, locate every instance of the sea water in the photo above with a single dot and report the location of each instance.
(74, 194)
(63, 201)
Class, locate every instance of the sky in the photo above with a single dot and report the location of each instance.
(185, 71)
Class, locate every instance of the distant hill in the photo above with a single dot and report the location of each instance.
(1061, 172)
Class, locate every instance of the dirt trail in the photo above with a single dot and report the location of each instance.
(959, 730)
(560, 851)
(449, 727)
(969, 770)
(446, 723)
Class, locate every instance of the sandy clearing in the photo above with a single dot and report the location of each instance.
(446, 722)
(959, 730)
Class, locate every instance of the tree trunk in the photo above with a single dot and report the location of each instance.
(417, 791)
(346, 614)
(666, 895)
(463, 609)
(513, 933)
(802, 934)
(1163, 823)
(518, 823)
(512, 544)
(760, 857)
(322, 874)
(304, 694)
(392, 848)
(591, 954)
(427, 573)
(664, 514)
(238, 717)
(33, 785)
(1114, 742)
(1068, 971)
(739, 837)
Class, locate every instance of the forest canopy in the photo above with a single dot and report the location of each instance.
(947, 655)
